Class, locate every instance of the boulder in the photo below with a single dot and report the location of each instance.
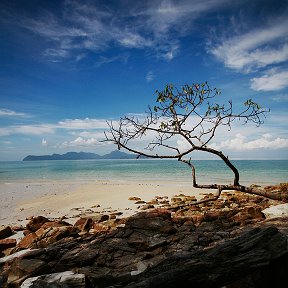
(276, 211)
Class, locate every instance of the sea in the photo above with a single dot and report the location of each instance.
(260, 172)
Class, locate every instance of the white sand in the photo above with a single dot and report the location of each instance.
(57, 199)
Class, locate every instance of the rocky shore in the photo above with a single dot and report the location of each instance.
(240, 240)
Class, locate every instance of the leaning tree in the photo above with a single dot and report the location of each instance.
(188, 114)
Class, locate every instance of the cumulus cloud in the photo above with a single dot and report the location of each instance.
(241, 142)
(273, 80)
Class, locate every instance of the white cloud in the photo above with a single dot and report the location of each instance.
(85, 25)
(150, 76)
(240, 142)
(280, 98)
(273, 80)
(67, 124)
(89, 134)
(80, 142)
(27, 130)
(11, 113)
(257, 48)
(83, 124)
(133, 40)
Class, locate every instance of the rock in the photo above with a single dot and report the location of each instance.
(57, 280)
(7, 243)
(84, 224)
(227, 264)
(276, 211)
(21, 269)
(22, 253)
(17, 228)
(155, 220)
(98, 227)
(157, 248)
(134, 198)
(44, 237)
(27, 241)
(141, 267)
(55, 224)
(35, 223)
(5, 231)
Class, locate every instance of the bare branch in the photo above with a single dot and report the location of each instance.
(188, 113)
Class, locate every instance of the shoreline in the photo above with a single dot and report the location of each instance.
(55, 199)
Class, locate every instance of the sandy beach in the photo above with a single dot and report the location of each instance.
(55, 199)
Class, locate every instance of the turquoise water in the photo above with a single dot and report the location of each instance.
(263, 172)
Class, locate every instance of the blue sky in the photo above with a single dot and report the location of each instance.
(67, 66)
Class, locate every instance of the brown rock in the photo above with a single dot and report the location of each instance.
(212, 215)
(27, 241)
(84, 224)
(5, 231)
(44, 237)
(103, 218)
(55, 224)
(36, 222)
(7, 243)
(17, 228)
(134, 198)
(98, 227)
(154, 220)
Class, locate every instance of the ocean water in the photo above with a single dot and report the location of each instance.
(262, 172)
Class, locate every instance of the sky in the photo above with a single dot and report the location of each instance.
(68, 66)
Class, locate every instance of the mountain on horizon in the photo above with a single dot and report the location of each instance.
(81, 156)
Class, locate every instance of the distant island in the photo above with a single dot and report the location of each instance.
(81, 156)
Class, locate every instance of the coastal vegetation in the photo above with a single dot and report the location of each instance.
(189, 114)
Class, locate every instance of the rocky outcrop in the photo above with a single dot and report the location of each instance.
(224, 243)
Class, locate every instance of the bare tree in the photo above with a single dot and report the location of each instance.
(188, 114)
